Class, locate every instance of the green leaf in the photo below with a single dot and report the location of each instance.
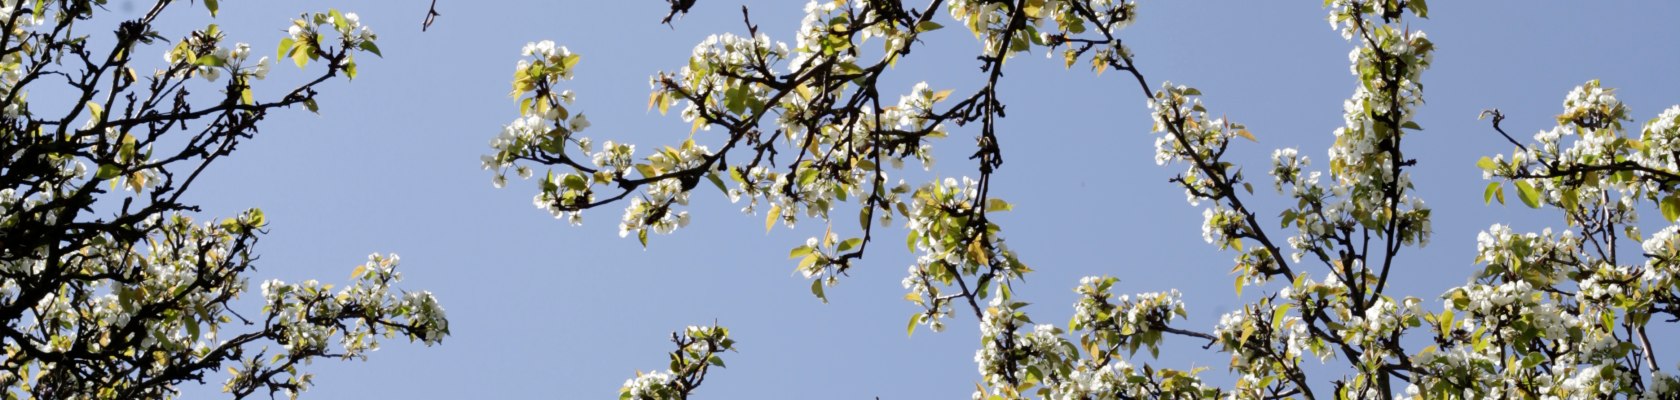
(642, 236)
(1278, 314)
(1570, 199)
(809, 261)
(1245, 134)
(211, 60)
(849, 244)
(1493, 188)
(338, 20)
(928, 26)
(285, 48)
(1419, 7)
(1486, 164)
(107, 171)
(1670, 208)
(1529, 195)
(800, 251)
(213, 6)
(941, 95)
(735, 99)
(231, 225)
(807, 176)
(371, 48)
(817, 289)
(125, 151)
(300, 55)
(770, 219)
(713, 176)
(915, 319)
(575, 182)
(998, 205)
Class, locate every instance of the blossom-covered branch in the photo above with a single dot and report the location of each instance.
(134, 303)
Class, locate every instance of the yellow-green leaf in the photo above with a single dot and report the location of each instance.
(1529, 195)
(1670, 208)
(817, 289)
(941, 95)
(1493, 188)
(1245, 134)
(1486, 164)
(800, 251)
(998, 205)
(849, 244)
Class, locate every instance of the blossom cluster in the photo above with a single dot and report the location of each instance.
(348, 25)
(1570, 288)
(134, 300)
(1008, 353)
(653, 211)
(1194, 138)
(1661, 140)
(814, 32)
(1131, 321)
(201, 54)
(369, 302)
(1518, 328)
(722, 74)
(1014, 359)
(851, 147)
(545, 132)
(305, 43)
(1542, 257)
(698, 349)
(953, 242)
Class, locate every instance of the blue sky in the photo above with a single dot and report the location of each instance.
(543, 309)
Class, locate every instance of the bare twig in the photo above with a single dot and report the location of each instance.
(431, 16)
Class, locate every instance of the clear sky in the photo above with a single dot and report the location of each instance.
(540, 309)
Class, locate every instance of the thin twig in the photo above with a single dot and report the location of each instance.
(431, 16)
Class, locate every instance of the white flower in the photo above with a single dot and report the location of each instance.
(579, 123)
(261, 70)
